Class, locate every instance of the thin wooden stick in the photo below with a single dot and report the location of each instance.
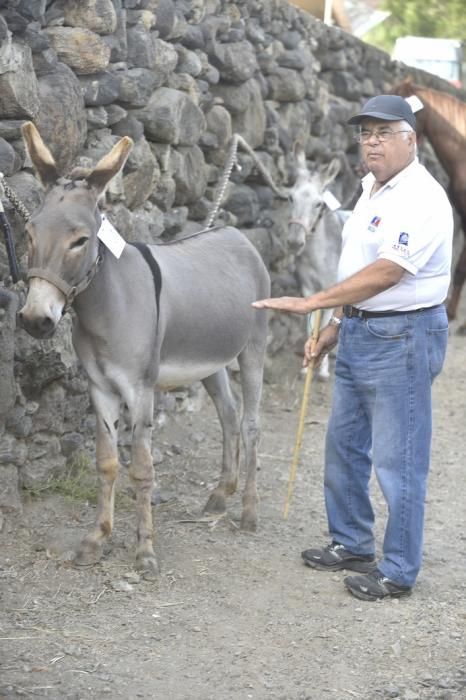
(302, 415)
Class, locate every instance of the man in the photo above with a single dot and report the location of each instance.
(391, 328)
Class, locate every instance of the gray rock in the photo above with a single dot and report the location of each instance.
(35, 39)
(243, 203)
(186, 83)
(44, 461)
(163, 194)
(345, 85)
(141, 51)
(147, 224)
(10, 500)
(172, 117)
(286, 85)
(71, 443)
(101, 89)
(189, 174)
(17, 423)
(166, 59)
(19, 93)
(188, 62)
(141, 174)
(165, 18)
(296, 59)
(175, 220)
(96, 117)
(118, 42)
(61, 119)
(44, 62)
(252, 122)
(129, 126)
(82, 50)
(136, 86)
(236, 62)
(8, 158)
(10, 129)
(115, 114)
(97, 15)
(219, 126)
(235, 98)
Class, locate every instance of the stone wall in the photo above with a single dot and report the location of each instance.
(180, 78)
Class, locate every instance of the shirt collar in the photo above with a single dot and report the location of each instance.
(369, 179)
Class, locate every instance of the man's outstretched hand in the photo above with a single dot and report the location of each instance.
(292, 305)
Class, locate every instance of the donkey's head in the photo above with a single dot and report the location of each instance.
(63, 251)
(306, 199)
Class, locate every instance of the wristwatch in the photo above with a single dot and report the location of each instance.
(334, 321)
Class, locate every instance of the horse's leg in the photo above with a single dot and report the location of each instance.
(458, 282)
(107, 409)
(219, 389)
(251, 364)
(141, 472)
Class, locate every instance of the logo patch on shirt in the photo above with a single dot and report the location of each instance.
(374, 222)
(403, 238)
(402, 246)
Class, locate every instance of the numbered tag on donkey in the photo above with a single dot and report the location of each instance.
(110, 237)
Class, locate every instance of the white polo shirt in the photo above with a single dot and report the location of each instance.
(409, 221)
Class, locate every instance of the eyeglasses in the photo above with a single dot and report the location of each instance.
(382, 135)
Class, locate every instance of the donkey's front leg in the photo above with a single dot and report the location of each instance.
(141, 472)
(107, 408)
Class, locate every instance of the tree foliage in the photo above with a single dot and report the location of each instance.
(430, 18)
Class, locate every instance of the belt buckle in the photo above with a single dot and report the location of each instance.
(348, 311)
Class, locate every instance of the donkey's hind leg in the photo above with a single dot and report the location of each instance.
(107, 408)
(251, 362)
(219, 389)
(141, 472)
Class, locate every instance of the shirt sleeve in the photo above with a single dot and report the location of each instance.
(410, 239)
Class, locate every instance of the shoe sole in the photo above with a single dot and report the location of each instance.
(373, 598)
(360, 567)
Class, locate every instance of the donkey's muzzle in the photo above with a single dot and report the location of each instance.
(41, 327)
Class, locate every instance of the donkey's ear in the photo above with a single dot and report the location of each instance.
(110, 165)
(40, 155)
(331, 171)
(299, 155)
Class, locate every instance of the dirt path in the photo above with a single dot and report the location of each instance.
(237, 616)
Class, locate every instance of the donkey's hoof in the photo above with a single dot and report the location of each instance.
(148, 566)
(87, 554)
(249, 521)
(216, 504)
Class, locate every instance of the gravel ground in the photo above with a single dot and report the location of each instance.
(235, 616)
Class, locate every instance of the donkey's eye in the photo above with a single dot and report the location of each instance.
(79, 243)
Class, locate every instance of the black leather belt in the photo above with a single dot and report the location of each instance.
(353, 312)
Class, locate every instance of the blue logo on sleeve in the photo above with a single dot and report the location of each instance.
(403, 238)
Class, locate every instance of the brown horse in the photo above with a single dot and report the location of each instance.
(443, 122)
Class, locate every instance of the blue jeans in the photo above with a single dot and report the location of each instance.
(382, 416)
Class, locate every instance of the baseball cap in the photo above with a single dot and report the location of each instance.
(386, 107)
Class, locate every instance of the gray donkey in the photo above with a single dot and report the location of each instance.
(157, 317)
